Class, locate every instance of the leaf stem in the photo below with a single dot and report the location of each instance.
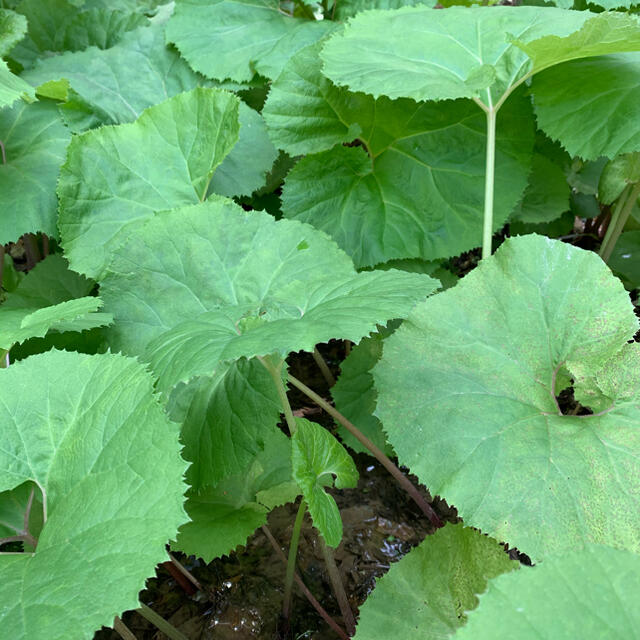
(303, 587)
(619, 218)
(185, 572)
(324, 367)
(487, 230)
(291, 562)
(158, 621)
(1, 264)
(276, 375)
(4, 153)
(384, 460)
(122, 630)
(338, 587)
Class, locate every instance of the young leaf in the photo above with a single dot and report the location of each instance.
(34, 140)
(235, 284)
(315, 456)
(120, 82)
(225, 420)
(573, 591)
(50, 298)
(355, 395)
(207, 34)
(13, 88)
(591, 106)
(224, 516)
(163, 160)
(89, 432)
(467, 394)
(433, 585)
(616, 175)
(401, 196)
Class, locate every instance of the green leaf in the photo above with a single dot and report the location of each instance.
(355, 395)
(35, 140)
(13, 26)
(89, 432)
(246, 167)
(225, 420)
(13, 88)
(348, 8)
(466, 393)
(591, 106)
(225, 516)
(433, 585)
(408, 198)
(462, 52)
(236, 284)
(591, 593)
(117, 84)
(50, 298)
(616, 175)
(625, 259)
(316, 456)
(21, 513)
(186, 138)
(547, 194)
(207, 34)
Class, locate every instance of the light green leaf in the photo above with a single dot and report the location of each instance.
(466, 393)
(89, 432)
(42, 303)
(408, 198)
(34, 140)
(591, 106)
(348, 8)
(225, 420)
(209, 284)
(316, 456)
(13, 88)
(207, 34)
(245, 169)
(355, 395)
(13, 26)
(616, 175)
(163, 160)
(591, 593)
(433, 585)
(225, 516)
(547, 194)
(625, 259)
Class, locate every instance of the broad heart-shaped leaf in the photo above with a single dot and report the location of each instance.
(433, 585)
(50, 298)
(466, 52)
(208, 284)
(591, 593)
(355, 396)
(625, 259)
(316, 456)
(13, 26)
(591, 106)
(117, 175)
(120, 82)
(225, 420)
(208, 32)
(34, 140)
(547, 194)
(466, 393)
(419, 192)
(224, 516)
(89, 432)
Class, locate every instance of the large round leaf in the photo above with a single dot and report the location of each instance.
(89, 432)
(34, 140)
(117, 175)
(591, 106)
(592, 593)
(433, 585)
(467, 394)
(208, 284)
